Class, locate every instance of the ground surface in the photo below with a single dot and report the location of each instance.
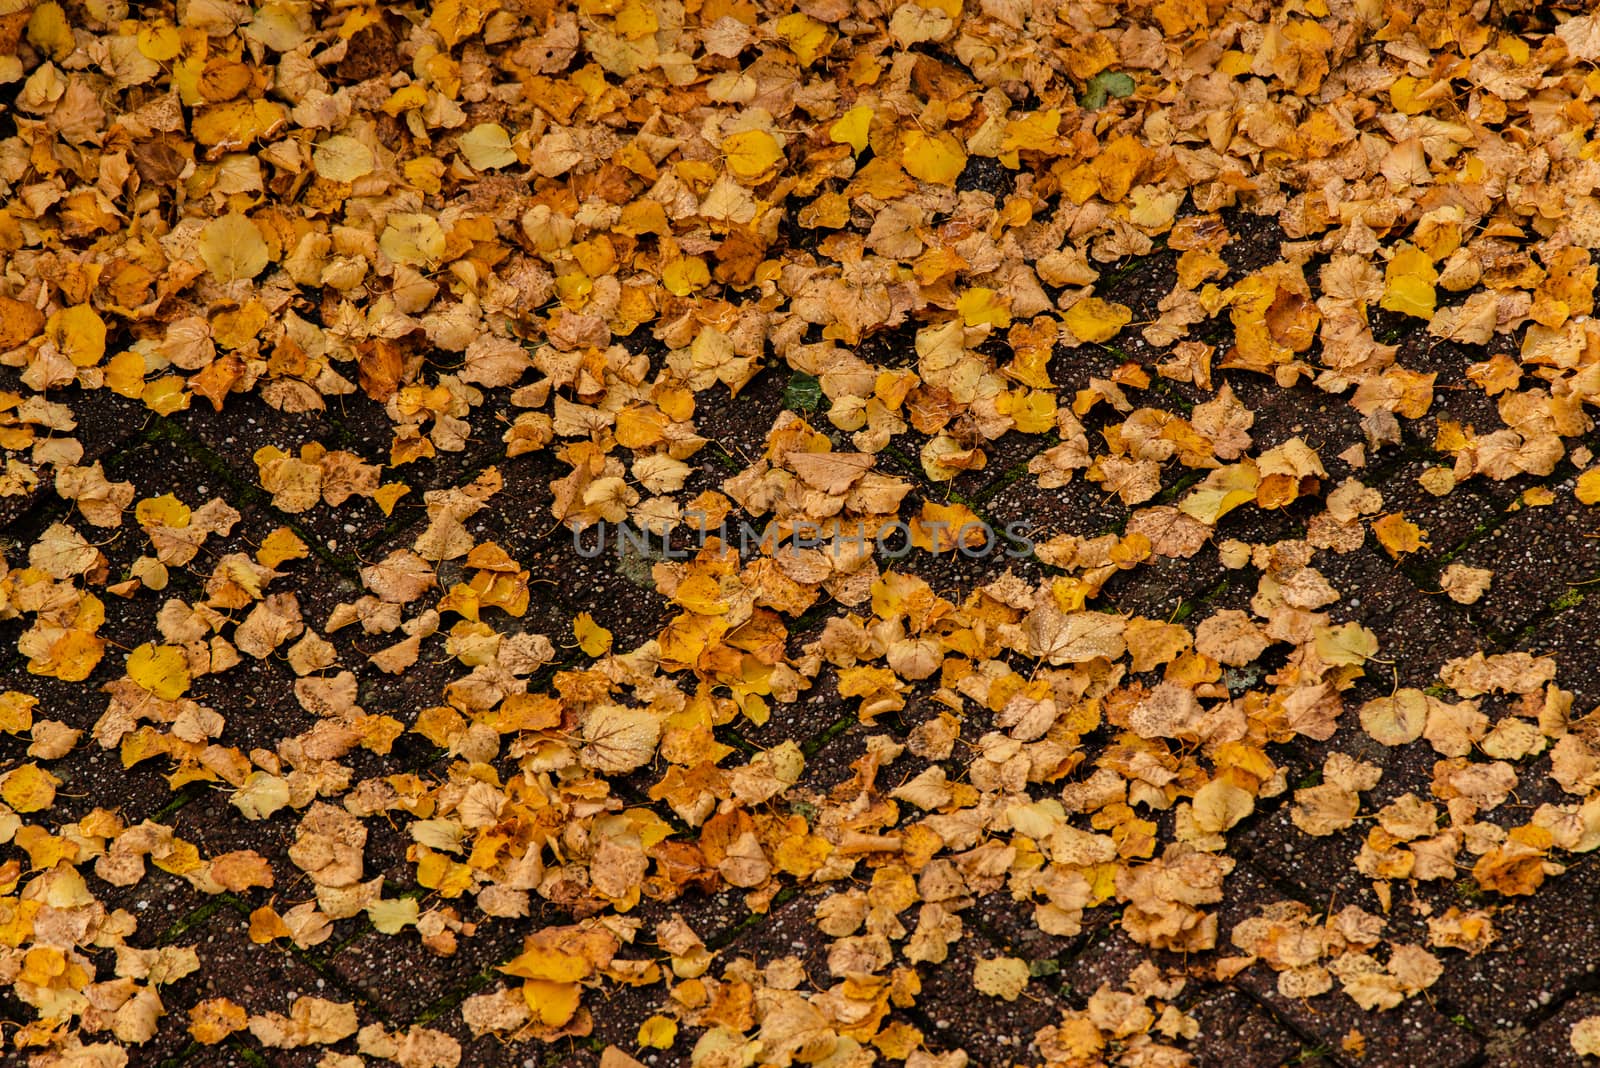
(1520, 996)
(1307, 313)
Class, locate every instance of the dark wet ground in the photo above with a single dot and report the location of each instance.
(1512, 1006)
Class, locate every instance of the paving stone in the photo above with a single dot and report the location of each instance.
(1413, 1035)
(1236, 1031)
(232, 437)
(1547, 1043)
(1182, 590)
(1009, 924)
(261, 978)
(105, 421)
(991, 1030)
(1108, 956)
(1541, 558)
(402, 978)
(1545, 946)
(1572, 636)
(1078, 508)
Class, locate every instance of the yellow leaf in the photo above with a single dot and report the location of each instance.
(1118, 165)
(1408, 283)
(593, 639)
(165, 395)
(406, 98)
(658, 1032)
(456, 20)
(1001, 977)
(619, 739)
(752, 155)
(684, 275)
(16, 711)
(938, 159)
(1221, 492)
(235, 125)
(1399, 535)
(549, 964)
(163, 511)
(232, 248)
(181, 858)
(940, 528)
(1220, 804)
(1588, 488)
(70, 658)
(19, 321)
(487, 146)
(1095, 320)
(213, 1020)
(806, 37)
(391, 915)
(852, 128)
(388, 495)
(1349, 644)
(29, 788)
(282, 544)
(342, 159)
(552, 1004)
(159, 41)
(49, 30)
(413, 239)
(260, 795)
(979, 306)
(1396, 719)
(79, 333)
(266, 924)
(125, 374)
(1036, 132)
(163, 670)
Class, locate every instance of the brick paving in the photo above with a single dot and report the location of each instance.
(1510, 1006)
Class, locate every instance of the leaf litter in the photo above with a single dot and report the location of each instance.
(438, 211)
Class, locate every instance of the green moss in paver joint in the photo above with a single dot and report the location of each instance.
(815, 744)
(461, 993)
(363, 927)
(165, 431)
(1570, 599)
(181, 1057)
(404, 515)
(895, 453)
(1170, 392)
(1167, 495)
(1015, 472)
(334, 979)
(193, 919)
(755, 919)
(822, 610)
(721, 455)
(183, 797)
(728, 735)
(1187, 606)
(248, 1054)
